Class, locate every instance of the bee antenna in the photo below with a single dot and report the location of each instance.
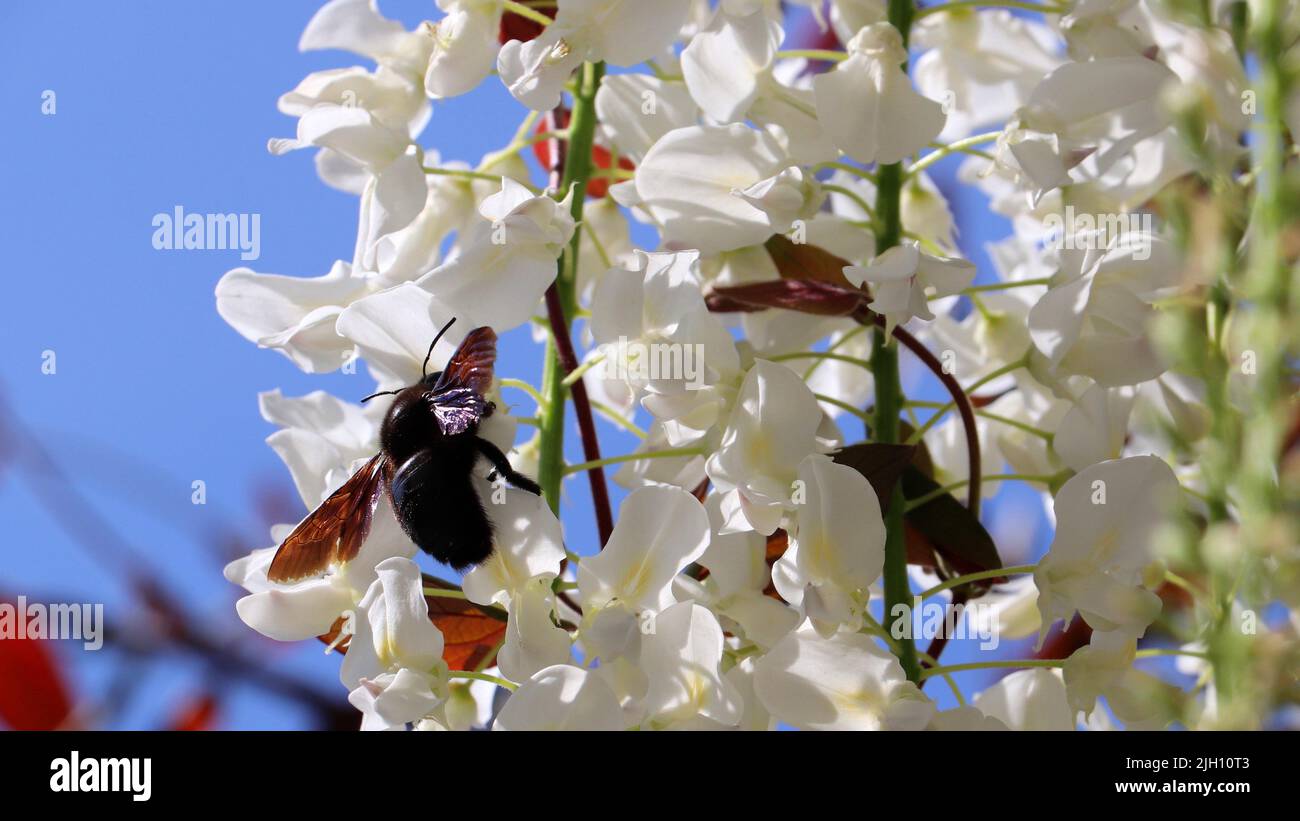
(381, 393)
(424, 370)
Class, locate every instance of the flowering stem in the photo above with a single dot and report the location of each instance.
(991, 665)
(845, 406)
(561, 305)
(480, 676)
(974, 386)
(958, 581)
(912, 504)
(1171, 651)
(577, 373)
(961, 145)
(997, 4)
(838, 357)
(526, 12)
(619, 419)
(852, 195)
(884, 369)
(851, 169)
(1002, 286)
(961, 401)
(812, 54)
(465, 173)
(519, 384)
(633, 457)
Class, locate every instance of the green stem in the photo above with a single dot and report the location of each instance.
(1002, 286)
(577, 170)
(846, 407)
(913, 504)
(526, 12)
(480, 676)
(884, 369)
(812, 54)
(991, 665)
(633, 457)
(970, 389)
(961, 145)
(997, 4)
(476, 175)
(838, 357)
(958, 581)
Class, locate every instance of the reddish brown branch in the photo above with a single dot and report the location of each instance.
(581, 409)
(959, 397)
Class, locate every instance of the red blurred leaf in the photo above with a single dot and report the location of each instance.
(33, 695)
(1061, 644)
(515, 27)
(600, 155)
(807, 296)
(195, 715)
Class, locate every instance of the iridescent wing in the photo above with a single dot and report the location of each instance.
(457, 397)
(332, 533)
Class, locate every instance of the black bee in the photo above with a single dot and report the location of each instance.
(429, 446)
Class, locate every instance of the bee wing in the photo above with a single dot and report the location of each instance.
(456, 409)
(471, 365)
(333, 532)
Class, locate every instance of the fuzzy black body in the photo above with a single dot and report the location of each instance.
(431, 488)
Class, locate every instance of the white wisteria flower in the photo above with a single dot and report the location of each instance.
(773, 426)
(392, 666)
(843, 682)
(904, 279)
(867, 104)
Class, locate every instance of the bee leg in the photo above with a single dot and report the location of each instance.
(502, 465)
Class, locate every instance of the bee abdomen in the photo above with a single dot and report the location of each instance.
(441, 511)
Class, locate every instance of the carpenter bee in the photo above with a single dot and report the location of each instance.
(429, 445)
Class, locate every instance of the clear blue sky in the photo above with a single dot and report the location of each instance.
(162, 104)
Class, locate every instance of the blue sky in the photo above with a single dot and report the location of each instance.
(160, 104)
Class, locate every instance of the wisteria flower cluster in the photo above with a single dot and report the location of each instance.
(734, 251)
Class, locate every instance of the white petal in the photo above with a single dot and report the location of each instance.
(562, 697)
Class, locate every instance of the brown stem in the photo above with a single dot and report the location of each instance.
(958, 396)
(569, 361)
(581, 409)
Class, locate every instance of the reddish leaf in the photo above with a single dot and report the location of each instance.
(515, 27)
(33, 695)
(879, 463)
(470, 633)
(195, 715)
(600, 155)
(795, 260)
(777, 544)
(947, 530)
(1061, 643)
(805, 295)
